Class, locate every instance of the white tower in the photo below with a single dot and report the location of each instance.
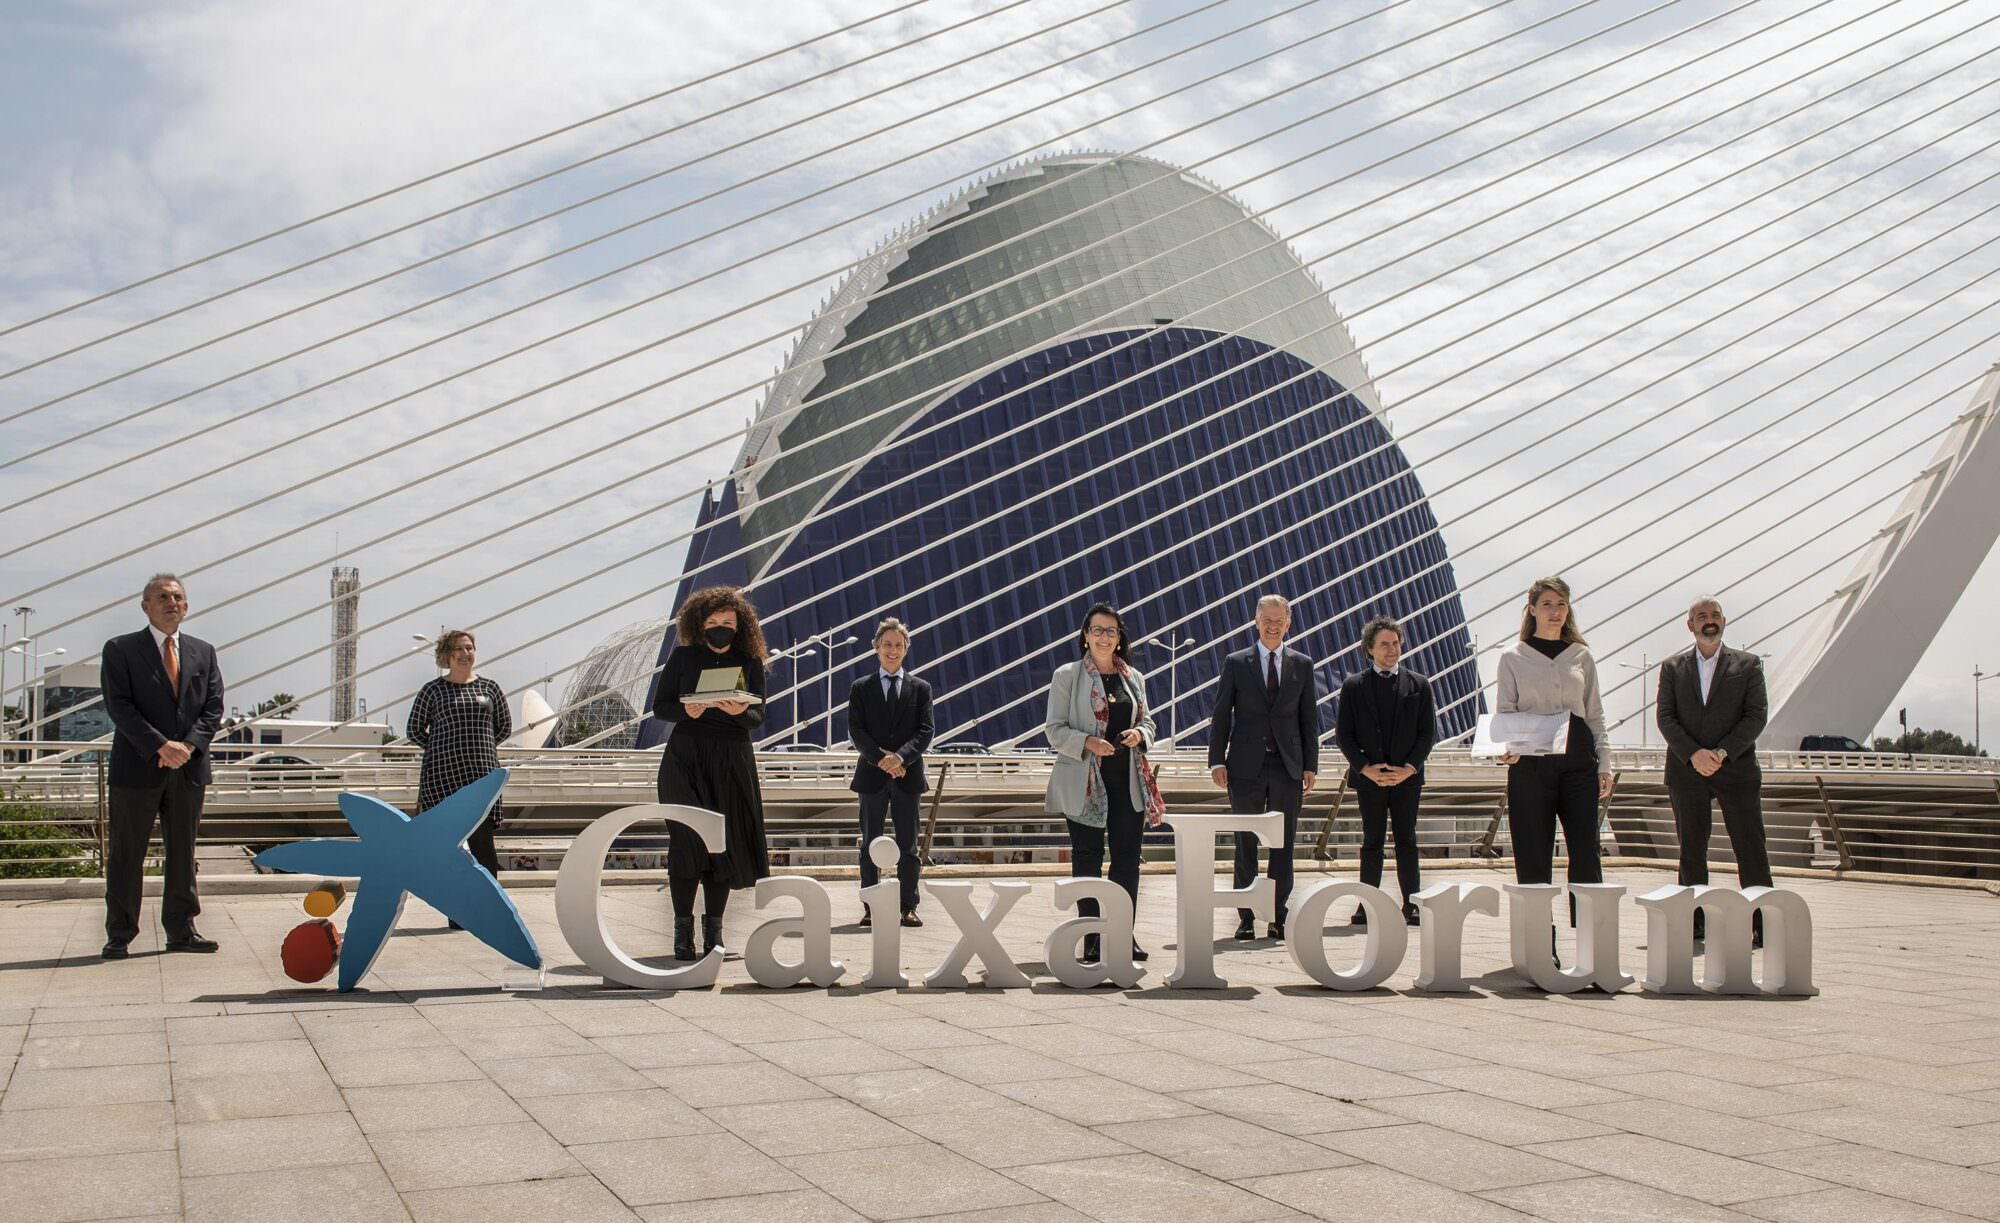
(346, 623)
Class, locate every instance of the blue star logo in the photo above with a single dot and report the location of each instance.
(398, 857)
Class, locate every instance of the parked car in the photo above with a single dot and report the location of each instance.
(1831, 743)
(796, 747)
(279, 771)
(962, 747)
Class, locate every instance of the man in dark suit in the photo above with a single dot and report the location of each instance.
(1263, 746)
(1386, 727)
(889, 720)
(163, 691)
(1712, 706)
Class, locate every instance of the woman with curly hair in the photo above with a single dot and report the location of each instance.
(708, 761)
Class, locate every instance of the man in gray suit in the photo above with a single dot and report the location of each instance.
(1712, 706)
(1263, 746)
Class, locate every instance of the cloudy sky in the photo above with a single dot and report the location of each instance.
(1666, 297)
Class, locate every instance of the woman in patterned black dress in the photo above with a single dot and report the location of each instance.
(708, 761)
(460, 719)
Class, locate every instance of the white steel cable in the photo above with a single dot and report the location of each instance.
(1429, 497)
(670, 291)
(511, 229)
(684, 205)
(435, 175)
(679, 416)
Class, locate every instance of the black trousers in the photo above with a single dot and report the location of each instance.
(1542, 793)
(1124, 832)
(1384, 808)
(1273, 789)
(481, 845)
(714, 895)
(1742, 800)
(176, 803)
(897, 807)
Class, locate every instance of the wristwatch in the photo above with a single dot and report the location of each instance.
(1720, 753)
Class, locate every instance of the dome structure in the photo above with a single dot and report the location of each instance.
(1087, 377)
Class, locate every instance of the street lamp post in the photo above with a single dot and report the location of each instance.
(792, 656)
(1173, 649)
(27, 722)
(1978, 677)
(1645, 693)
(827, 642)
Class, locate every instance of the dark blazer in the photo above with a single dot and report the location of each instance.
(1404, 738)
(1731, 718)
(875, 726)
(1245, 717)
(146, 713)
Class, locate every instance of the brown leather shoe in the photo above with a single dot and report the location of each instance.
(911, 919)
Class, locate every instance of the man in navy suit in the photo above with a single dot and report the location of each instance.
(889, 720)
(1263, 746)
(1386, 726)
(163, 691)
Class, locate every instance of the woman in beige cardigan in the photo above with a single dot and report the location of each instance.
(1550, 670)
(1100, 726)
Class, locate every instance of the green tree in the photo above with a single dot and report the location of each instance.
(280, 705)
(23, 823)
(1928, 743)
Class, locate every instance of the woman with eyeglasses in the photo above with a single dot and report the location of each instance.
(1101, 727)
(460, 719)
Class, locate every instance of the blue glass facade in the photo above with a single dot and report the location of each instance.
(1290, 485)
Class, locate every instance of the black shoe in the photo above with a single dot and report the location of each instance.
(711, 935)
(1410, 915)
(866, 919)
(449, 924)
(684, 938)
(1092, 950)
(1277, 930)
(192, 940)
(1360, 917)
(1246, 930)
(115, 950)
(1552, 948)
(1139, 954)
(1756, 940)
(912, 920)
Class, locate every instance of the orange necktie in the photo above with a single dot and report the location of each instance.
(172, 658)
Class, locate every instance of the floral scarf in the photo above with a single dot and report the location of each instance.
(1095, 812)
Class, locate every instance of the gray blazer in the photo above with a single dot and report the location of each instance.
(1071, 720)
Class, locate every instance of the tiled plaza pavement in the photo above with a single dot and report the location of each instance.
(208, 1088)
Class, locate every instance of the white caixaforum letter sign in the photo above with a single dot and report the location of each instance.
(1444, 908)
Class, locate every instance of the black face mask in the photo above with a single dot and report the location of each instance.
(718, 636)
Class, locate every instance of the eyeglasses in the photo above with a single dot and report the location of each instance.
(1100, 631)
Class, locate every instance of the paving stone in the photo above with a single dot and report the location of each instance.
(571, 1199)
(1456, 1161)
(232, 1029)
(830, 1055)
(1142, 1189)
(1844, 1206)
(1673, 1168)
(880, 1184)
(1006, 1134)
(1485, 1117)
(657, 1050)
(1004, 1063)
(261, 1144)
(1605, 1199)
(91, 1187)
(64, 1052)
(380, 1067)
(537, 1040)
(1905, 1177)
(616, 1116)
(76, 1087)
(692, 1167)
(422, 1106)
(806, 1127)
(1224, 1147)
(1694, 1127)
(471, 1155)
(1342, 1080)
(553, 1076)
(903, 1093)
(747, 1083)
(797, 1206)
(1288, 1110)
(1361, 1192)
(1167, 1072)
(340, 1193)
(1094, 1100)
(1525, 1087)
(98, 1129)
